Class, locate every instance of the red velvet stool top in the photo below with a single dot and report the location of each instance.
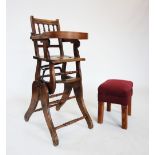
(114, 90)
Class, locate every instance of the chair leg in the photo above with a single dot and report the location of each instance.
(34, 101)
(79, 97)
(100, 112)
(66, 93)
(44, 102)
(129, 108)
(124, 117)
(108, 106)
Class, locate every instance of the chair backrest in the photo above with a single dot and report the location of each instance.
(43, 25)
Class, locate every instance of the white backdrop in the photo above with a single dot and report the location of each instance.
(117, 46)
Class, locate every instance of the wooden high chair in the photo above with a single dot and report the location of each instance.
(42, 88)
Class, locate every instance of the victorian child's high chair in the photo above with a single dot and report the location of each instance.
(44, 85)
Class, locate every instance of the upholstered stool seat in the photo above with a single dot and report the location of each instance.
(118, 92)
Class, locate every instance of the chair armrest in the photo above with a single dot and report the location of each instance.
(66, 35)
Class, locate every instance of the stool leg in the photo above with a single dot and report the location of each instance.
(100, 112)
(108, 106)
(124, 117)
(129, 108)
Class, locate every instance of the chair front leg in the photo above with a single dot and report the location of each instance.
(44, 102)
(65, 96)
(79, 97)
(34, 101)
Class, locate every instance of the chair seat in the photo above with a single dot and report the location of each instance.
(60, 59)
(114, 87)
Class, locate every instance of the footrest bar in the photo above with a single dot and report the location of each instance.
(53, 103)
(70, 122)
(71, 97)
(50, 106)
(55, 95)
(58, 101)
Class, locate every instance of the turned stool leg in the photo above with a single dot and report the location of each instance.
(108, 106)
(124, 117)
(129, 108)
(100, 112)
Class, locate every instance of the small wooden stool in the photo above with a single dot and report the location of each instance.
(118, 92)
